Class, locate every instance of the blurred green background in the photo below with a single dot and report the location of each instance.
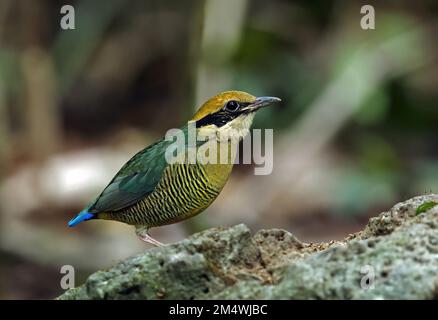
(355, 132)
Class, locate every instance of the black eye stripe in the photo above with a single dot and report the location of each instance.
(221, 117)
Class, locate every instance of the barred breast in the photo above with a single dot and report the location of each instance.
(184, 191)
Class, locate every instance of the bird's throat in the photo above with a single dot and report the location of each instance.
(234, 130)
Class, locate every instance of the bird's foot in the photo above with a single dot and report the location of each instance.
(147, 238)
(143, 235)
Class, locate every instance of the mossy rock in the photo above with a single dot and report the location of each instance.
(394, 257)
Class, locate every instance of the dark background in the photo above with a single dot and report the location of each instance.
(355, 133)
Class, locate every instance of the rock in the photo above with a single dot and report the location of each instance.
(394, 257)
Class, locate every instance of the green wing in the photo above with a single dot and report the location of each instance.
(135, 180)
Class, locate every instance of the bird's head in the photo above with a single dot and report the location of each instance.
(230, 113)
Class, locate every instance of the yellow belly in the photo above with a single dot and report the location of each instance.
(184, 191)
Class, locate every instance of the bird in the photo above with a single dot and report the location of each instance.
(151, 191)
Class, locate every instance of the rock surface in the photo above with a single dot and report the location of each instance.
(394, 257)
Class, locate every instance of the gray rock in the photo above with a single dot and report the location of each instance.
(394, 257)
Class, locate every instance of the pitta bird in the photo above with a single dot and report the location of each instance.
(149, 191)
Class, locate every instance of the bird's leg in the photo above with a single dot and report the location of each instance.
(143, 234)
(147, 238)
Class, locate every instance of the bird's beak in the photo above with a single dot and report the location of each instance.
(261, 102)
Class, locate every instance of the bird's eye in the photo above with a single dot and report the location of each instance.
(232, 106)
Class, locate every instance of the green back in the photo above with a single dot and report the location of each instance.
(136, 179)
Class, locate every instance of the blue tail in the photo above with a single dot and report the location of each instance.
(82, 216)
